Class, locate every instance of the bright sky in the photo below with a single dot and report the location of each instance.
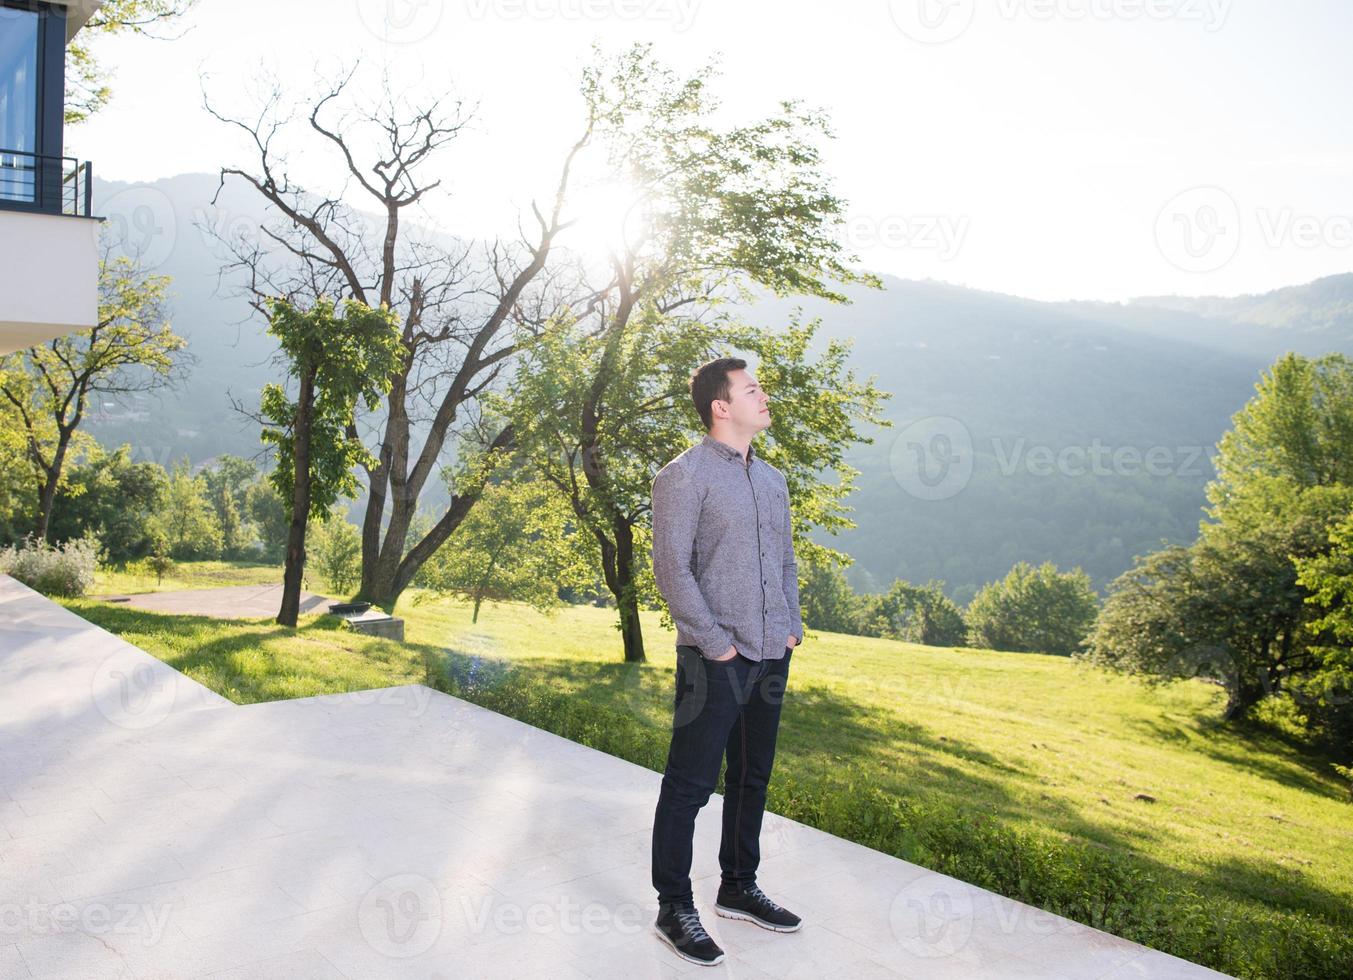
(1055, 149)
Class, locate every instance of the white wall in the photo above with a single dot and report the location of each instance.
(49, 277)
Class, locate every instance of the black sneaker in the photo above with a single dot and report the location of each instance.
(752, 904)
(679, 926)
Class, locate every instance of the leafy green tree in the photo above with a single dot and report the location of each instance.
(338, 360)
(601, 399)
(87, 89)
(335, 548)
(914, 614)
(1329, 579)
(234, 533)
(1234, 606)
(158, 561)
(17, 477)
(1325, 699)
(185, 519)
(227, 483)
(269, 515)
(1228, 608)
(1032, 609)
(827, 600)
(1299, 426)
(113, 498)
(517, 544)
(48, 387)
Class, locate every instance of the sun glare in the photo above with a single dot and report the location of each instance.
(609, 217)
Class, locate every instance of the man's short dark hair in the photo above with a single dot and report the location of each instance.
(710, 381)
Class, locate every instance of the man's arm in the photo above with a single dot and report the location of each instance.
(676, 513)
(790, 575)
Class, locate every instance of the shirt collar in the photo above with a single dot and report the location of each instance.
(727, 451)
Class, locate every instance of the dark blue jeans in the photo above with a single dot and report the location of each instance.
(721, 708)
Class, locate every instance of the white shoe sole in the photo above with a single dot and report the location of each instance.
(686, 956)
(728, 913)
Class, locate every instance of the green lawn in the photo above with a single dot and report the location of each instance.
(134, 578)
(1019, 772)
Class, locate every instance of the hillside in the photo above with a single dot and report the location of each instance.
(1011, 383)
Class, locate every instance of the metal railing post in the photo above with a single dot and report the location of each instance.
(37, 182)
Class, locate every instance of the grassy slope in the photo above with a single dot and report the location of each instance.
(184, 575)
(1032, 741)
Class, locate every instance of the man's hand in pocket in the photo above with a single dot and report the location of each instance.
(732, 652)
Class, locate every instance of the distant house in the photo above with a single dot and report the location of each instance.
(49, 269)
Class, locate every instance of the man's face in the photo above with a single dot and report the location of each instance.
(748, 406)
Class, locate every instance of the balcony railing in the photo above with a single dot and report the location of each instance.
(53, 185)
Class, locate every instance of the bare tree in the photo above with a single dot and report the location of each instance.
(454, 299)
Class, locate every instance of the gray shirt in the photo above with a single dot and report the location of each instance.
(723, 552)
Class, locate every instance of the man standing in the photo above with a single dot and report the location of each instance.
(723, 558)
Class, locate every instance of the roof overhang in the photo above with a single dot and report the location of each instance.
(78, 13)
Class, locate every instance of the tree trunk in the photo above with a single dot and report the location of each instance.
(1241, 699)
(617, 561)
(300, 503)
(52, 474)
(388, 572)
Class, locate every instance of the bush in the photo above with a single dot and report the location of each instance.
(912, 614)
(1038, 610)
(65, 570)
(334, 548)
(112, 497)
(186, 519)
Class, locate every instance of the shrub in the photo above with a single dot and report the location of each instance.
(186, 519)
(1033, 609)
(64, 570)
(913, 614)
(334, 549)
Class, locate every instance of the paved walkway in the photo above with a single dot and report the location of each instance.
(151, 829)
(227, 602)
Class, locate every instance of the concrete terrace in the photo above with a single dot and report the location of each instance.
(151, 829)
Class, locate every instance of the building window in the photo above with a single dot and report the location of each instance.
(19, 101)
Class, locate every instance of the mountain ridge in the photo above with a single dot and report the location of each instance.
(1010, 375)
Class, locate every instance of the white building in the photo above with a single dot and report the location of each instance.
(48, 238)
